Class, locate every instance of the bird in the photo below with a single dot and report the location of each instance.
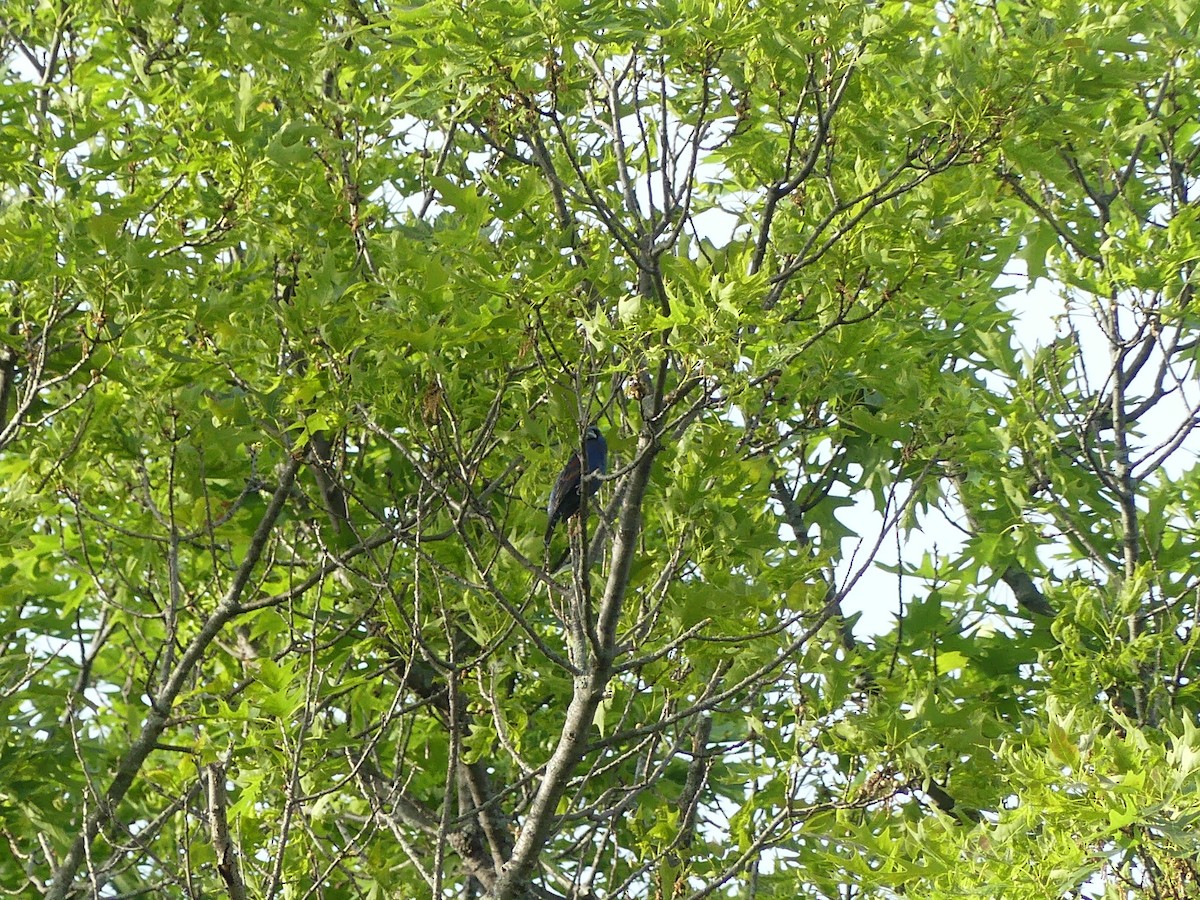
(565, 497)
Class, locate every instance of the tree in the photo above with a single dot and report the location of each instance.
(306, 308)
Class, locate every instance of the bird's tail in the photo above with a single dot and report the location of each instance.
(557, 565)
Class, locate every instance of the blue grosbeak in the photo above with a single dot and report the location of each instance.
(566, 496)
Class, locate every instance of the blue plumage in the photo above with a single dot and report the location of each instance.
(565, 497)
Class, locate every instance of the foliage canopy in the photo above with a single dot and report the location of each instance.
(304, 306)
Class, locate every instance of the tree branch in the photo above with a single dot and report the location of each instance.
(161, 705)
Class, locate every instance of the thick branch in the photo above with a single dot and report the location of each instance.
(227, 859)
(588, 691)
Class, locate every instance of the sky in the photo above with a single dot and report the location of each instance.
(1041, 313)
(877, 596)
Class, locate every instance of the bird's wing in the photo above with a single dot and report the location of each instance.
(566, 485)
